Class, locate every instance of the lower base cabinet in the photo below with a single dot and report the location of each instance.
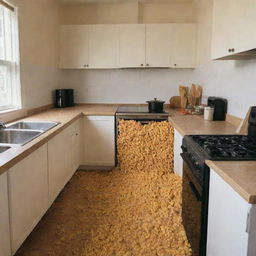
(178, 161)
(64, 155)
(28, 195)
(99, 141)
(5, 243)
(231, 221)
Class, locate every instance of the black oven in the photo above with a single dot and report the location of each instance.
(195, 193)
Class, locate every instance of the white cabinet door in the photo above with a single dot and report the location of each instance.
(74, 46)
(233, 27)
(178, 161)
(227, 220)
(5, 245)
(132, 45)
(59, 162)
(244, 23)
(104, 46)
(99, 141)
(158, 43)
(76, 144)
(28, 195)
(183, 46)
(222, 28)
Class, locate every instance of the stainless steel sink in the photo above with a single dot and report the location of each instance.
(20, 137)
(3, 149)
(30, 125)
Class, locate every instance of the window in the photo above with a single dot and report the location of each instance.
(9, 58)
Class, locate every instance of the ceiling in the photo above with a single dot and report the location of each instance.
(122, 1)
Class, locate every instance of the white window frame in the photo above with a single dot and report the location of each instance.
(13, 65)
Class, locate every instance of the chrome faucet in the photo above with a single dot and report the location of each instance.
(2, 125)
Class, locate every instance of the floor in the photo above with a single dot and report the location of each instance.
(133, 210)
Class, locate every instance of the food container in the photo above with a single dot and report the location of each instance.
(155, 106)
(208, 113)
(199, 110)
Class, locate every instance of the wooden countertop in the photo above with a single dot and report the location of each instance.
(195, 124)
(240, 175)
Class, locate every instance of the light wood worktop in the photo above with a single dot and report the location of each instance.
(240, 175)
(195, 124)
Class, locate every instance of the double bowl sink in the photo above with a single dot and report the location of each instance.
(22, 132)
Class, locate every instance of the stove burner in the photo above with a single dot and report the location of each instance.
(226, 147)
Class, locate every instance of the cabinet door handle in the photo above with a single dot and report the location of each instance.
(147, 64)
(175, 65)
(141, 65)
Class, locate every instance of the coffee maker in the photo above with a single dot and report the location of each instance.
(64, 98)
(252, 122)
(220, 108)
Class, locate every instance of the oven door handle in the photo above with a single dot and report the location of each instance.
(196, 193)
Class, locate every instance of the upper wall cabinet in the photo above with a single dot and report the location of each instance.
(128, 46)
(103, 46)
(132, 45)
(183, 46)
(234, 23)
(74, 46)
(158, 45)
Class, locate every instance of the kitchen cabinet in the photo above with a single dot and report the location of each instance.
(128, 46)
(158, 45)
(132, 45)
(231, 221)
(178, 161)
(59, 162)
(233, 28)
(64, 156)
(28, 195)
(5, 244)
(74, 46)
(104, 46)
(76, 144)
(99, 141)
(183, 46)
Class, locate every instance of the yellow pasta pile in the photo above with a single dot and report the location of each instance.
(142, 216)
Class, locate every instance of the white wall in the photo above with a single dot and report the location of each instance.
(125, 85)
(234, 80)
(39, 43)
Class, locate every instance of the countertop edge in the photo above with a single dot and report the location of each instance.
(251, 199)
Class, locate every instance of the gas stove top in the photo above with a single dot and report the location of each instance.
(224, 147)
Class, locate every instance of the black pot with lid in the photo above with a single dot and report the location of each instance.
(156, 106)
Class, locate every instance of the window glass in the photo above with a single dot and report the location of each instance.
(9, 64)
